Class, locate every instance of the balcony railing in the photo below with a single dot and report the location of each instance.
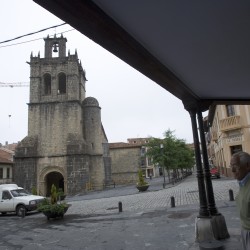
(230, 123)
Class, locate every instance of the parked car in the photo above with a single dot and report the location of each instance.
(214, 171)
(16, 199)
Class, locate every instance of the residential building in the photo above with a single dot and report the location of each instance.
(228, 131)
(128, 158)
(6, 165)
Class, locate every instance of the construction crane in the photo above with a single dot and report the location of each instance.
(14, 84)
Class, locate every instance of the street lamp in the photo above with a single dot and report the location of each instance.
(164, 182)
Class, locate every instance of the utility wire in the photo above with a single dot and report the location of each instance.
(32, 33)
(13, 44)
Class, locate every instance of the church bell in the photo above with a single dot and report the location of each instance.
(55, 46)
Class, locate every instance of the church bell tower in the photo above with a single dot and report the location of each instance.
(66, 144)
(55, 150)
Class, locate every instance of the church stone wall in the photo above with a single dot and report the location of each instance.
(51, 123)
(78, 173)
(97, 180)
(125, 164)
(25, 170)
(92, 128)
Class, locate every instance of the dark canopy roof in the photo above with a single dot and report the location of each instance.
(197, 50)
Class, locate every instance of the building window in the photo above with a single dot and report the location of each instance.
(143, 151)
(230, 110)
(61, 83)
(47, 84)
(1, 173)
(143, 161)
(150, 162)
(8, 173)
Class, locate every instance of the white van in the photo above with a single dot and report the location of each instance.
(16, 199)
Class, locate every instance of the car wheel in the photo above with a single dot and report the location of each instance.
(21, 211)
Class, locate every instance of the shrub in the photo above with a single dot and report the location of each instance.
(141, 181)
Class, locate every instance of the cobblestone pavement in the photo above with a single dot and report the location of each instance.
(185, 193)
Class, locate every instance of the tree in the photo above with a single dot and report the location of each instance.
(174, 155)
(185, 156)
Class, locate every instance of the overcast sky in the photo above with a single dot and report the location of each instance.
(132, 105)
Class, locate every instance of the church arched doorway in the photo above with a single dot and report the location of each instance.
(55, 178)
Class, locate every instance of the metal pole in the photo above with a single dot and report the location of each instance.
(231, 195)
(172, 201)
(203, 212)
(164, 179)
(120, 206)
(210, 193)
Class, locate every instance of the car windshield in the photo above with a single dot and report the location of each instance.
(19, 192)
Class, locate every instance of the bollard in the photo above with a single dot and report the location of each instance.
(231, 195)
(172, 201)
(120, 206)
(114, 184)
(23, 213)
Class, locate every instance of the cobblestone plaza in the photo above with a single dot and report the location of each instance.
(185, 193)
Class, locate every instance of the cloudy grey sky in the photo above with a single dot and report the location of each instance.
(132, 105)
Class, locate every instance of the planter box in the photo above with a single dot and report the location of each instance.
(53, 215)
(142, 188)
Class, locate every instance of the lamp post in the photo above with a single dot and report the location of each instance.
(164, 180)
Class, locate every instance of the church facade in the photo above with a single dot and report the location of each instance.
(66, 143)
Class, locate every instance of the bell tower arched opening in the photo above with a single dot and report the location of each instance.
(47, 84)
(61, 83)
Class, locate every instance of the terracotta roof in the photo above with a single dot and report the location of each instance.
(6, 155)
(11, 146)
(123, 145)
(4, 160)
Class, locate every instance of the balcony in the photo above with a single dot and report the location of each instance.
(230, 123)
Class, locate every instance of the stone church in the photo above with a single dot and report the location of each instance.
(66, 144)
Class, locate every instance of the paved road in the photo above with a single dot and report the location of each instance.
(147, 221)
